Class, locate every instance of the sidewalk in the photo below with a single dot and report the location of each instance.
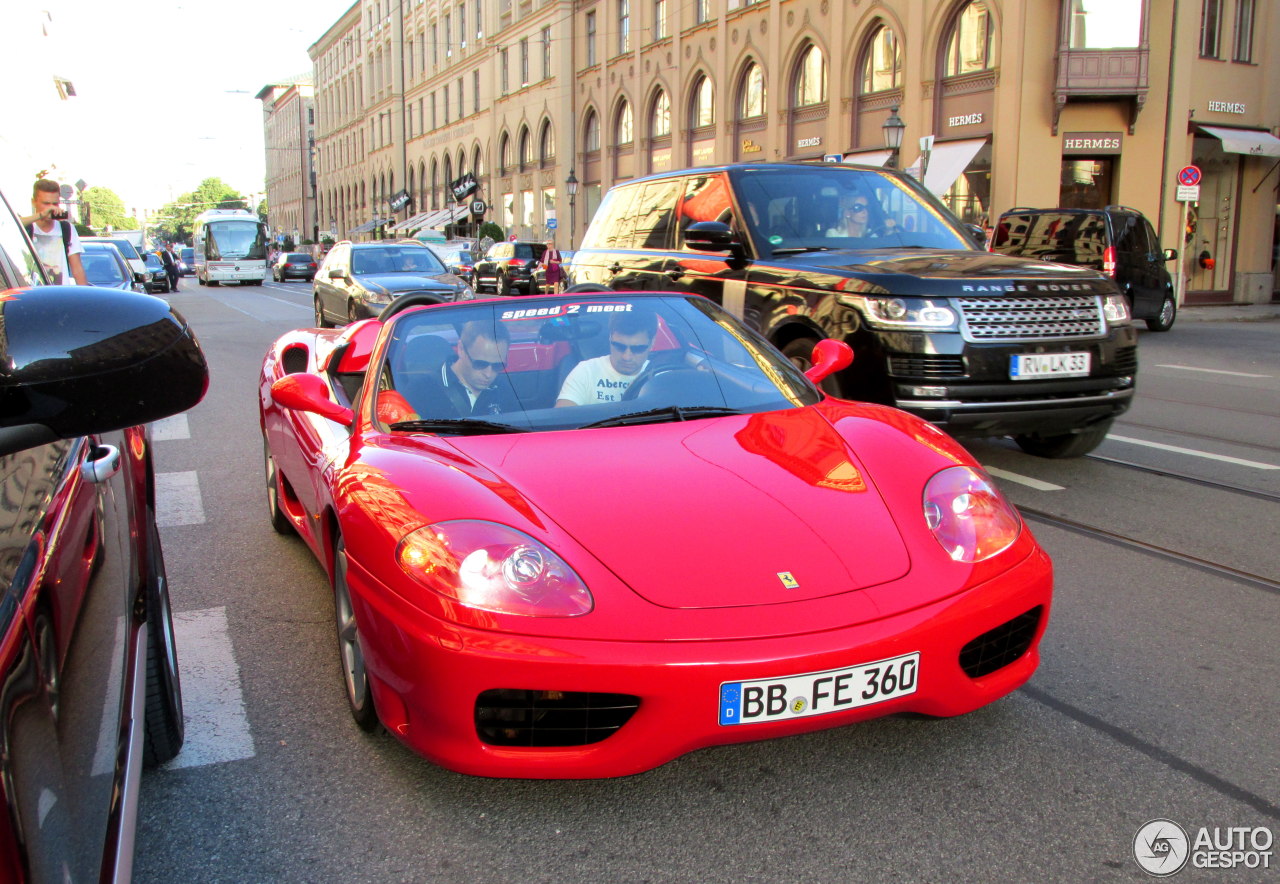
(1229, 313)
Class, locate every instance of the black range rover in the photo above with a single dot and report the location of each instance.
(977, 343)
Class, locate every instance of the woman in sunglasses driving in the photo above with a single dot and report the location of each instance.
(855, 217)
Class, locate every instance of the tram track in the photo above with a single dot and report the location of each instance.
(1184, 477)
(1256, 581)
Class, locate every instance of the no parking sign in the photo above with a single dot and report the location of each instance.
(1189, 184)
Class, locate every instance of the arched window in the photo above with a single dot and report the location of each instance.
(623, 127)
(752, 100)
(660, 117)
(881, 68)
(702, 108)
(477, 168)
(504, 153)
(435, 185)
(422, 186)
(447, 180)
(810, 78)
(969, 46)
(546, 144)
(526, 148)
(591, 133)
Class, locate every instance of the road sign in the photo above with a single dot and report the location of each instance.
(1189, 176)
(551, 224)
(833, 158)
(1188, 193)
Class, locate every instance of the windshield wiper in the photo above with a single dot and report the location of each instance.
(795, 250)
(462, 426)
(660, 415)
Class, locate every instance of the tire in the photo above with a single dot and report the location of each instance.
(1065, 445)
(1163, 321)
(279, 521)
(800, 353)
(163, 728)
(200, 280)
(350, 653)
(504, 286)
(321, 320)
(351, 312)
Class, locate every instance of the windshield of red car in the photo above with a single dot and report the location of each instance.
(576, 361)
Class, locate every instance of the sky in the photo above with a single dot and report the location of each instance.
(165, 91)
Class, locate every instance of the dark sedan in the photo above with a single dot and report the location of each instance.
(294, 265)
(105, 266)
(156, 276)
(88, 661)
(358, 280)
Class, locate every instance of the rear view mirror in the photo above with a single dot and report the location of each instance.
(76, 360)
(829, 357)
(337, 273)
(307, 392)
(711, 236)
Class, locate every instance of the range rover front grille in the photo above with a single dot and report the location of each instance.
(1050, 318)
(926, 366)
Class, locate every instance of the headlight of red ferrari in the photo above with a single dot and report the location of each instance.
(494, 568)
(970, 518)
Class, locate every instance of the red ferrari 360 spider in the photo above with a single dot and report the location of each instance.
(579, 536)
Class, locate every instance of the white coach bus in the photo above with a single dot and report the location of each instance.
(230, 246)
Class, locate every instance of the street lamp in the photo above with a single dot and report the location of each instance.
(893, 128)
(571, 186)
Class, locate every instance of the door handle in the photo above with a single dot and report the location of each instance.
(614, 268)
(675, 273)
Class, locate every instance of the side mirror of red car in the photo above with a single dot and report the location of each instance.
(306, 392)
(829, 357)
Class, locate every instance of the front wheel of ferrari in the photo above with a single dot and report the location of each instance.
(350, 652)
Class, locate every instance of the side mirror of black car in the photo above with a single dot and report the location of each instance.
(711, 236)
(76, 360)
(1171, 254)
(978, 233)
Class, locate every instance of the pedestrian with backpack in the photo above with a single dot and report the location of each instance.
(55, 238)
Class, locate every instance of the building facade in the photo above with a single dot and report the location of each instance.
(1002, 104)
(288, 119)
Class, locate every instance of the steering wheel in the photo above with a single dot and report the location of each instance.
(647, 375)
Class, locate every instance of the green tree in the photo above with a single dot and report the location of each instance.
(493, 231)
(176, 219)
(105, 209)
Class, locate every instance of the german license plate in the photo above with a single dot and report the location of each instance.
(1030, 366)
(818, 693)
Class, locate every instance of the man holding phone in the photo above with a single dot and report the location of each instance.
(55, 238)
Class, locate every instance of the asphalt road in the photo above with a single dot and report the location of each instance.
(1156, 698)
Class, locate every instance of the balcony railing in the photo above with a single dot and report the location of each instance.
(1092, 74)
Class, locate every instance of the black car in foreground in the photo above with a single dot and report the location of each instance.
(358, 280)
(89, 683)
(979, 344)
(508, 268)
(1116, 240)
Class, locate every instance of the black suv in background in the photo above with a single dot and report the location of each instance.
(1116, 240)
(980, 344)
(508, 267)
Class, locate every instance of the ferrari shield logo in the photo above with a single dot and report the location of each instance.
(788, 580)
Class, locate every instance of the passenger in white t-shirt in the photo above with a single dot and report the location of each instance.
(606, 378)
(60, 254)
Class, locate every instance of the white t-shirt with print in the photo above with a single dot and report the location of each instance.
(51, 253)
(596, 380)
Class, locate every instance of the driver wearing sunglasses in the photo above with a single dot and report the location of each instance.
(606, 378)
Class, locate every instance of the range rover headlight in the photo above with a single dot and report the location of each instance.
(923, 314)
(1116, 309)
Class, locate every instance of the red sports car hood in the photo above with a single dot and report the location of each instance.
(762, 509)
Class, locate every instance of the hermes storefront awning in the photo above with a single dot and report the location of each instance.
(1251, 142)
(947, 161)
(868, 158)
